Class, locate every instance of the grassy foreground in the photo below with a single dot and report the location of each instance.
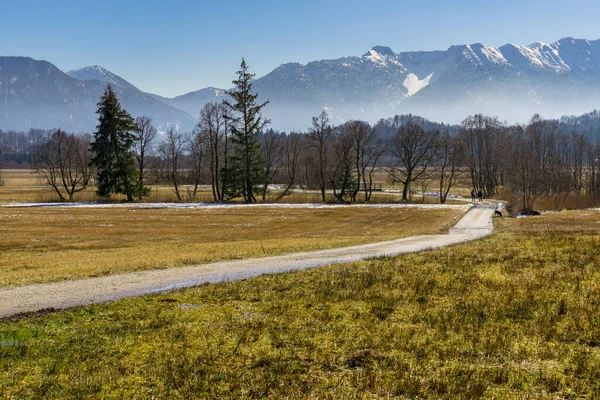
(48, 243)
(516, 315)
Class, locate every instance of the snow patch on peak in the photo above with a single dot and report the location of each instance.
(97, 72)
(494, 55)
(382, 59)
(481, 54)
(537, 56)
(90, 70)
(413, 84)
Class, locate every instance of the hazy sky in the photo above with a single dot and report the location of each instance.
(173, 47)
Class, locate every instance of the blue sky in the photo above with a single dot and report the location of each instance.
(173, 47)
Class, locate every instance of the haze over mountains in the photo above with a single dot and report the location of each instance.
(510, 81)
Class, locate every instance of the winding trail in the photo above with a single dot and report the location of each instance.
(475, 224)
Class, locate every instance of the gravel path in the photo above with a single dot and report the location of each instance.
(25, 299)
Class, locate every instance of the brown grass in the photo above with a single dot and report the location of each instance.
(570, 201)
(572, 221)
(19, 178)
(25, 186)
(54, 243)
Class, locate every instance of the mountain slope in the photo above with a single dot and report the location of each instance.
(192, 102)
(512, 81)
(101, 74)
(36, 94)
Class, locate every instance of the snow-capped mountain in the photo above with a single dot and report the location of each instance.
(510, 81)
(357, 85)
(98, 73)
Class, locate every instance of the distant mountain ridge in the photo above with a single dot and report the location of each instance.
(510, 81)
(36, 94)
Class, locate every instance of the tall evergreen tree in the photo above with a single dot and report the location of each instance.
(243, 174)
(112, 149)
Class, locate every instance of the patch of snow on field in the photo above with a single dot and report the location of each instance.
(437, 194)
(229, 205)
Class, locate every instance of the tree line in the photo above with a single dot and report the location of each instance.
(233, 152)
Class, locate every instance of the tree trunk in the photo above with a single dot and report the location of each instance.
(406, 189)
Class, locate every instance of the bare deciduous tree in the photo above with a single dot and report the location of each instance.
(63, 162)
(196, 147)
(171, 149)
(213, 127)
(593, 163)
(414, 150)
(291, 152)
(579, 146)
(270, 150)
(308, 177)
(339, 168)
(320, 134)
(451, 156)
(367, 149)
(144, 139)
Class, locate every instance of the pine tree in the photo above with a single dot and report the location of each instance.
(113, 156)
(242, 177)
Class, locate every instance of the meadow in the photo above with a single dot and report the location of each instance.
(24, 185)
(42, 244)
(514, 315)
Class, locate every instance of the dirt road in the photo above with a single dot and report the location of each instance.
(475, 224)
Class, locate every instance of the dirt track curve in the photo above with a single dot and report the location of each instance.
(16, 300)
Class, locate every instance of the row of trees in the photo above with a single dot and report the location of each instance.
(340, 159)
(16, 147)
(542, 162)
(533, 160)
(233, 152)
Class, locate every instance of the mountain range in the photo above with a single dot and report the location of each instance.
(509, 81)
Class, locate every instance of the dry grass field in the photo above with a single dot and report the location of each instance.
(25, 186)
(512, 316)
(53, 243)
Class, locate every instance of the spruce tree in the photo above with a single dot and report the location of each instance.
(242, 177)
(112, 149)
